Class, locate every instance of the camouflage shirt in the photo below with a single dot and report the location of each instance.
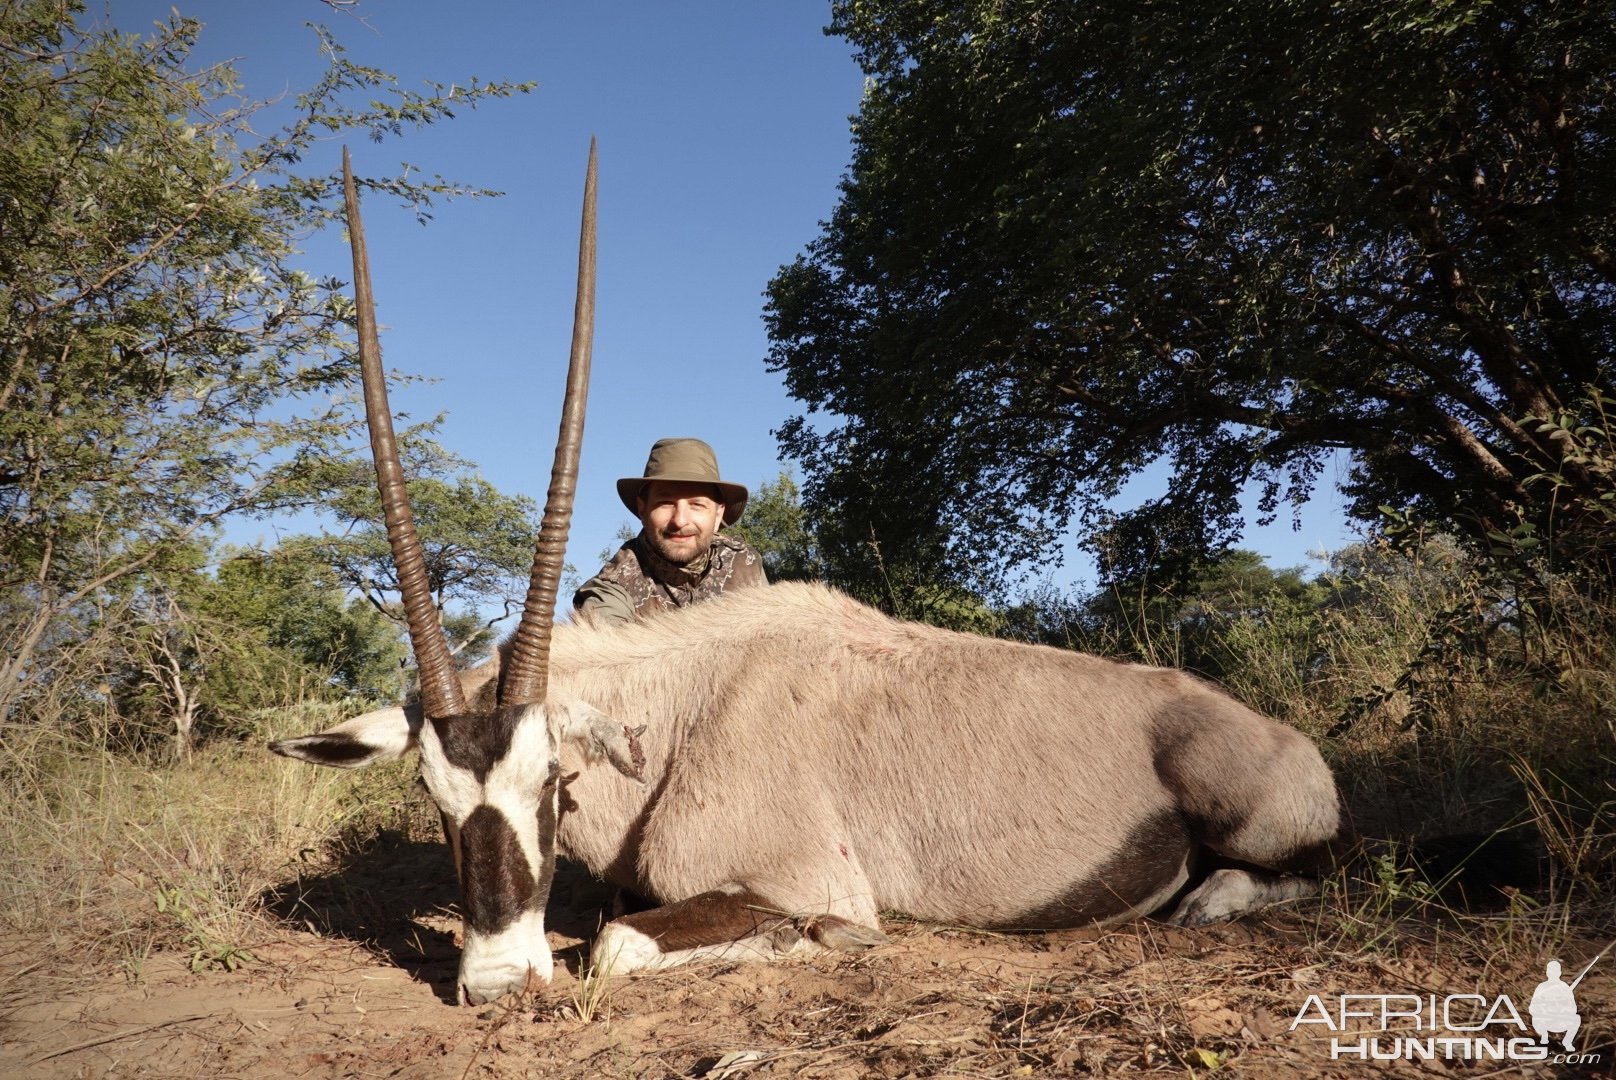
(639, 582)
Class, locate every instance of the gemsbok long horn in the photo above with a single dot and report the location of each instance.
(524, 677)
(440, 684)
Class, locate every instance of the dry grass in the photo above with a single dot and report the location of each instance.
(113, 859)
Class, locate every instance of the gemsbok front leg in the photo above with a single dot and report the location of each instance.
(745, 881)
(732, 922)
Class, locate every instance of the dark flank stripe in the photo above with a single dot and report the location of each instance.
(1145, 863)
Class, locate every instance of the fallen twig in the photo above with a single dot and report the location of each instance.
(115, 1036)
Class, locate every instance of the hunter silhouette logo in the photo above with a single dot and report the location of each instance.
(1554, 1004)
(1455, 1027)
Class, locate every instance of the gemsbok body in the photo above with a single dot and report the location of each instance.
(775, 767)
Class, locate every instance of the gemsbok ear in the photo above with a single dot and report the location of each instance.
(598, 735)
(383, 735)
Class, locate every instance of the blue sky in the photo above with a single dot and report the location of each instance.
(723, 131)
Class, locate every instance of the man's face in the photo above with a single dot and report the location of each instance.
(680, 518)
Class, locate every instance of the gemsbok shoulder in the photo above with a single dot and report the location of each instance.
(775, 767)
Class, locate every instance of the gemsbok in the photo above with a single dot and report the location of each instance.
(775, 767)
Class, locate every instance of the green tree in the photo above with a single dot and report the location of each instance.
(163, 361)
(476, 541)
(777, 526)
(1236, 239)
(1188, 623)
(196, 653)
(299, 605)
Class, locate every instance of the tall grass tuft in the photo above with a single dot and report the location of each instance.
(114, 857)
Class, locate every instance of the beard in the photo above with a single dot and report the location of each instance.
(683, 551)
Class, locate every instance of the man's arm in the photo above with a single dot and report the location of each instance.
(603, 601)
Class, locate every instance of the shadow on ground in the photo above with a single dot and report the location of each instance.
(397, 898)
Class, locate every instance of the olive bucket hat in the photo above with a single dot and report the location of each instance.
(688, 460)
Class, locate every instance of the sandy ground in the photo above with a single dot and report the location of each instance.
(355, 978)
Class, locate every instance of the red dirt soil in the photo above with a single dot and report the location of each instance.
(369, 994)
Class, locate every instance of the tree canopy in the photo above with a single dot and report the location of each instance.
(193, 654)
(776, 525)
(164, 361)
(1078, 240)
(477, 542)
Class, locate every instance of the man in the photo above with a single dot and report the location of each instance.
(679, 556)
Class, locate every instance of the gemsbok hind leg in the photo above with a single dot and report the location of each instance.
(1228, 892)
(1256, 793)
(732, 922)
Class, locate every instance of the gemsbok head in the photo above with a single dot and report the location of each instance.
(476, 759)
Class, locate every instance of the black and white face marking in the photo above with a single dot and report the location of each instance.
(497, 784)
(496, 780)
